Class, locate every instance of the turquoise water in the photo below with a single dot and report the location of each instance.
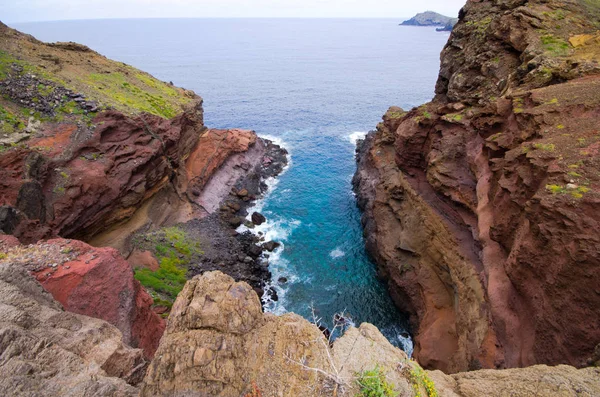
(314, 85)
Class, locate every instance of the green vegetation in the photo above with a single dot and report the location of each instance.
(373, 383)
(518, 106)
(480, 25)
(457, 117)
(576, 193)
(419, 379)
(547, 147)
(145, 94)
(173, 249)
(495, 137)
(9, 122)
(555, 45)
(395, 115)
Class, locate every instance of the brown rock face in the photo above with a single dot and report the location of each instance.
(482, 208)
(95, 282)
(219, 343)
(49, 352)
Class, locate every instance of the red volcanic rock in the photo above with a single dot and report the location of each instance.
(75, 181)
(482, 207)
(143, 259)
(95, 282)
(214, 147)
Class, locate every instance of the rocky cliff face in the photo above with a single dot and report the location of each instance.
(47, 351)
(482, 207)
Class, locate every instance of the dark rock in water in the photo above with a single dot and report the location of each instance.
(254, 251)
(249, 225)
(283, 280)
(271, 245)
(272, 293)
(258, 218)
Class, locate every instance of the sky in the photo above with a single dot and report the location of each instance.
(13, 11)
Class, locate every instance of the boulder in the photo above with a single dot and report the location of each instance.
(258, 218)
(271, 245)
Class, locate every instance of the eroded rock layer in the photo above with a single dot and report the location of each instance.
(482, 207)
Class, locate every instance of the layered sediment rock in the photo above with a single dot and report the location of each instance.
(482, 207)
(47, 351)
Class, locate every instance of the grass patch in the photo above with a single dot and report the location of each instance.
(174, 250)
(144, 94)
(555, 45)
(373, 383)
(9, 122)
(546, 147)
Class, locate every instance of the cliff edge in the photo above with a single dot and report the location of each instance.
(482, 206)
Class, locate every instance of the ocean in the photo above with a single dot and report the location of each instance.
(314, 86)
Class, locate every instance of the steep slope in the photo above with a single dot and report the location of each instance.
(482, 206)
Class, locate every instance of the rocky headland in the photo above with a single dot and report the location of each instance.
(482, 207)
(430, 18)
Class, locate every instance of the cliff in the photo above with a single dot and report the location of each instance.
(482, 206)
(96, 150)
(430, 18)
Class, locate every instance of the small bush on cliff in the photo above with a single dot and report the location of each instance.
(373, 383)
(173, 249)
(420, 380)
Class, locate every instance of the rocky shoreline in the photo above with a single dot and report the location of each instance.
(222, 247)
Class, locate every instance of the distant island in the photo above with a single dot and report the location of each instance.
(430, 18)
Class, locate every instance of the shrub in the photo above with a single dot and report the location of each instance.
(373, 383)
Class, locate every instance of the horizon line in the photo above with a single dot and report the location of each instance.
(206, 17)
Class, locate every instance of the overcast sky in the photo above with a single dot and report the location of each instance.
(12, 11)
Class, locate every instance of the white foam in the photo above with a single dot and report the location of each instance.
(276, 140)
(337, 253)
(355, 136)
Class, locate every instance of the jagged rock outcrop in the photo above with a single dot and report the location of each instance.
(219, 343)
(45, 351)
(96, 282)
(482, 207)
